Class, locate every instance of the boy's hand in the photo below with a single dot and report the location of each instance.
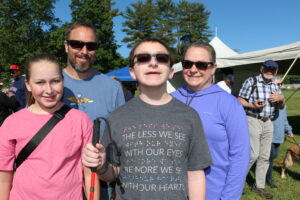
(93, 156)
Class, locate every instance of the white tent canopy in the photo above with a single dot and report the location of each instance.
(225, 58)
(222, 50)
(284, 52)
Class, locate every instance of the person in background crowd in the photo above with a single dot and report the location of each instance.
(54, 169)
(281, 125)
(8, 105)
(163, 148)
(227, 83)
(260, 96)
(127, 93)
(18, 87)
(224, 122)
(85, 88)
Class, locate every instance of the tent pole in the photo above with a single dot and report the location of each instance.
(290, 67)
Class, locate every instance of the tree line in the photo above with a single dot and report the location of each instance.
(29, 27)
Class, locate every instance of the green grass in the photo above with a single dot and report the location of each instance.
(289, 188)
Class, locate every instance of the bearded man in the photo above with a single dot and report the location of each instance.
(260, 97)
(85, 88)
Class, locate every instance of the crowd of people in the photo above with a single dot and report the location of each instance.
(198, 142)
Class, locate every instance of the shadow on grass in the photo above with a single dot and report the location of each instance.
(289, 173)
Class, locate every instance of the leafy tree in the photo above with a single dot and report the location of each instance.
(192, 23)
(165, 21)
(22, 29)
(100, 14)
(175, 23)
(56, 43)
(140, 20)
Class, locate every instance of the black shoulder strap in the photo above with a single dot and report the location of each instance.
(40, 135)
(254, 86)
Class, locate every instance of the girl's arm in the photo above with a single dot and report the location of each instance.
(87, 179)
(196, 184)
(6, 178)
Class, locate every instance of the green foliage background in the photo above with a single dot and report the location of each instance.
(29, 27)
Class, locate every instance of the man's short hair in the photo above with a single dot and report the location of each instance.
(74, 25)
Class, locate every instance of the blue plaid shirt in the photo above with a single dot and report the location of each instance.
(261, 93)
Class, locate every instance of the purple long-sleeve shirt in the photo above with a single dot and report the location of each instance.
(226, 130)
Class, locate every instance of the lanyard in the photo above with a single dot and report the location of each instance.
(187, 102)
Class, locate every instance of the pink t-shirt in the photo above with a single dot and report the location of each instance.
(54, 170)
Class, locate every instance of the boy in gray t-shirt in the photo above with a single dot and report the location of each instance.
(162, 147)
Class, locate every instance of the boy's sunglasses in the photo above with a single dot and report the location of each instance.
(146, 57)
(77, 44)
(186, 64)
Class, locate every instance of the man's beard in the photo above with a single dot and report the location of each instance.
(268, 77)
(78, 68)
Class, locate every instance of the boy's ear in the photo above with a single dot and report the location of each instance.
(132, 73)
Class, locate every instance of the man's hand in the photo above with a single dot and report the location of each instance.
(291, 135)
(258, 104)
(276, 97)
(93, 156)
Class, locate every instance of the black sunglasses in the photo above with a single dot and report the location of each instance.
(77, 44)
(186, 64)
(13, 71)
(146, 57)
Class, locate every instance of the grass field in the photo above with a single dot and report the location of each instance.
(289, 188)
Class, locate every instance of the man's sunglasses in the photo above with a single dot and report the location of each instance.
(13, 71)
(146, 57)
(77, 44)
(186, 64)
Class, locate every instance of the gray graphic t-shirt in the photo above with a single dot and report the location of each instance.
(158, 145)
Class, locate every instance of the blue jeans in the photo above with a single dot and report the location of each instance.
(274, 153)
(106, 190)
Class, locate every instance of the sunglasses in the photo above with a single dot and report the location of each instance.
(146, 57)
(279, 84)
(77, 44)
(13, 71)
(186, 64)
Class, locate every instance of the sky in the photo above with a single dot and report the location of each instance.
(244, 25)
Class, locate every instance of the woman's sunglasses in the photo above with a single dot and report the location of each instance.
(186, 64)
(146, 57)
(77, 44)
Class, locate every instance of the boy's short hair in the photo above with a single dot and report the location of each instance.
(131, 55)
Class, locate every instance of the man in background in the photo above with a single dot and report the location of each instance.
(260, 96)
(281, 125)
(227, 83)
(17, 87)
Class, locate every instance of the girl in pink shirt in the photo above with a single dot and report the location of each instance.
(54, 170)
